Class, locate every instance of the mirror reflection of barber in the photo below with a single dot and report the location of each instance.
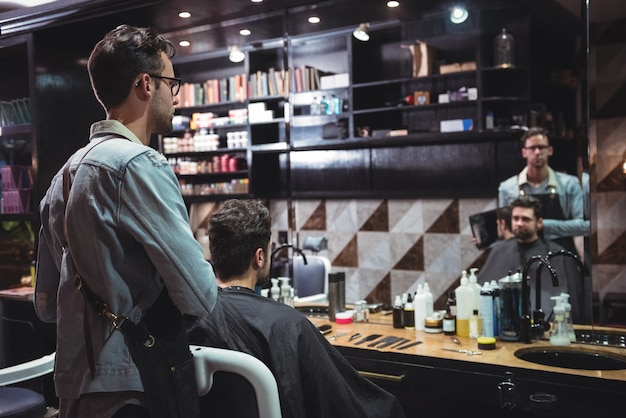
(560, 194)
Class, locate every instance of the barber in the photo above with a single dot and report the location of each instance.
(560, 194)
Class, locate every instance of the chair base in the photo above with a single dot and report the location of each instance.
(18, 402)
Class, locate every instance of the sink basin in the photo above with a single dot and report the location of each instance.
(573, 358)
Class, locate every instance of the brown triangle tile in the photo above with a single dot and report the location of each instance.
(613, 182)
(349, 256)
(614, 253)
(413, 259)
(448, 221)
(317, 220)
(379, 220)
(382, 292)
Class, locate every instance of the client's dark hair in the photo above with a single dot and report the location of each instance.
(236, 231)
(529, 202)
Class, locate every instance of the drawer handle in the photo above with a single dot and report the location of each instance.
(390, 377)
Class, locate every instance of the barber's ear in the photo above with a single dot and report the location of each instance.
(540, 223)
(259, 257)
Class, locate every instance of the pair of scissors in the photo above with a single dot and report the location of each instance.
(466, 352)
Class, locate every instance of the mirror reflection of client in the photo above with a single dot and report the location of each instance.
(509, 256)
(314, 379)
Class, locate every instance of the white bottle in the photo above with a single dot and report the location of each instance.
(419, 305)
(558, 333)
(275, 290)
(430, 305)
(568, 317)
(464, 305)
(486, 310)
(476, 288)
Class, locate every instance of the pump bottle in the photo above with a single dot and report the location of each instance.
(476, 288)
(464, 306)
(558, 333)
(568, 317)
(275, 290)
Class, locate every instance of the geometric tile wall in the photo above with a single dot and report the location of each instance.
(608, 156)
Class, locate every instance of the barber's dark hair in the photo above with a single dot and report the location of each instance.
(123, 54)
(505, 213)
(529, 202)
(236, 231)
(534, 131)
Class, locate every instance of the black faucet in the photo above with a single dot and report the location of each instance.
(282, 247)
(539, 325)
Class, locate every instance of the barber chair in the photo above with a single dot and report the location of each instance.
(17, 402)
(233, 384)
(310, 280)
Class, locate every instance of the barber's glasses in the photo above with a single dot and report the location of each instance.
(537, 147)
(173, 82)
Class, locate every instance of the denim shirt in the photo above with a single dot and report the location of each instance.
(129, 235)
(570, 197)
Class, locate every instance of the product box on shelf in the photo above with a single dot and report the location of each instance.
(456, 125)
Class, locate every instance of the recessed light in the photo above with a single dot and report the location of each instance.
(184, 43)
(393, 3)
(245, 32)
(184, 15)
(256, 1)
(314, 19)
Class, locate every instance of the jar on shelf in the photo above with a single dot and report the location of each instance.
(504, 50)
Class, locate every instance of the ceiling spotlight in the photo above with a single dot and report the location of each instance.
(236, 54)
(360, 33)
(458, 14)
(314, 19)
(245, 32)
(393, 3)
(184, 15)
(184, 43)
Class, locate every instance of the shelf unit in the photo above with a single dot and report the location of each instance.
(377, 141)
(16, 137)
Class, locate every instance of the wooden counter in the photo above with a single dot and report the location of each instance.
(427, 370)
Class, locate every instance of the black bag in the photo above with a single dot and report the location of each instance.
(160, 349)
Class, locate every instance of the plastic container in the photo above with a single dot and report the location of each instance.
(464, 302)
(558, 332)
(486, 310)
(419, 307)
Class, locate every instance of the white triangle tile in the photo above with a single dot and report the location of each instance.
(442, 253)
(341, 215)
(374, 250)
(406, 216)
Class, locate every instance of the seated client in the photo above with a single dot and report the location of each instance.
(314, 379)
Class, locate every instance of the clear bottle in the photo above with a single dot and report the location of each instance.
(476, 288)
(475, 325)
(486, 310)
(315, 106)
(558, 332)
(409, 314)
(336, 101)
(398, 313)
(568, 317)
(504, 50)
(275, 290)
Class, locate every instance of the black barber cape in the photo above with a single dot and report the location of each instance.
(510, 256)
(314, 380)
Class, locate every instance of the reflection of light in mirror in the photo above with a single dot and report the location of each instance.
(245, 32)
(314, 19)
(184, 15)
(184, 43)
(393, 3)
